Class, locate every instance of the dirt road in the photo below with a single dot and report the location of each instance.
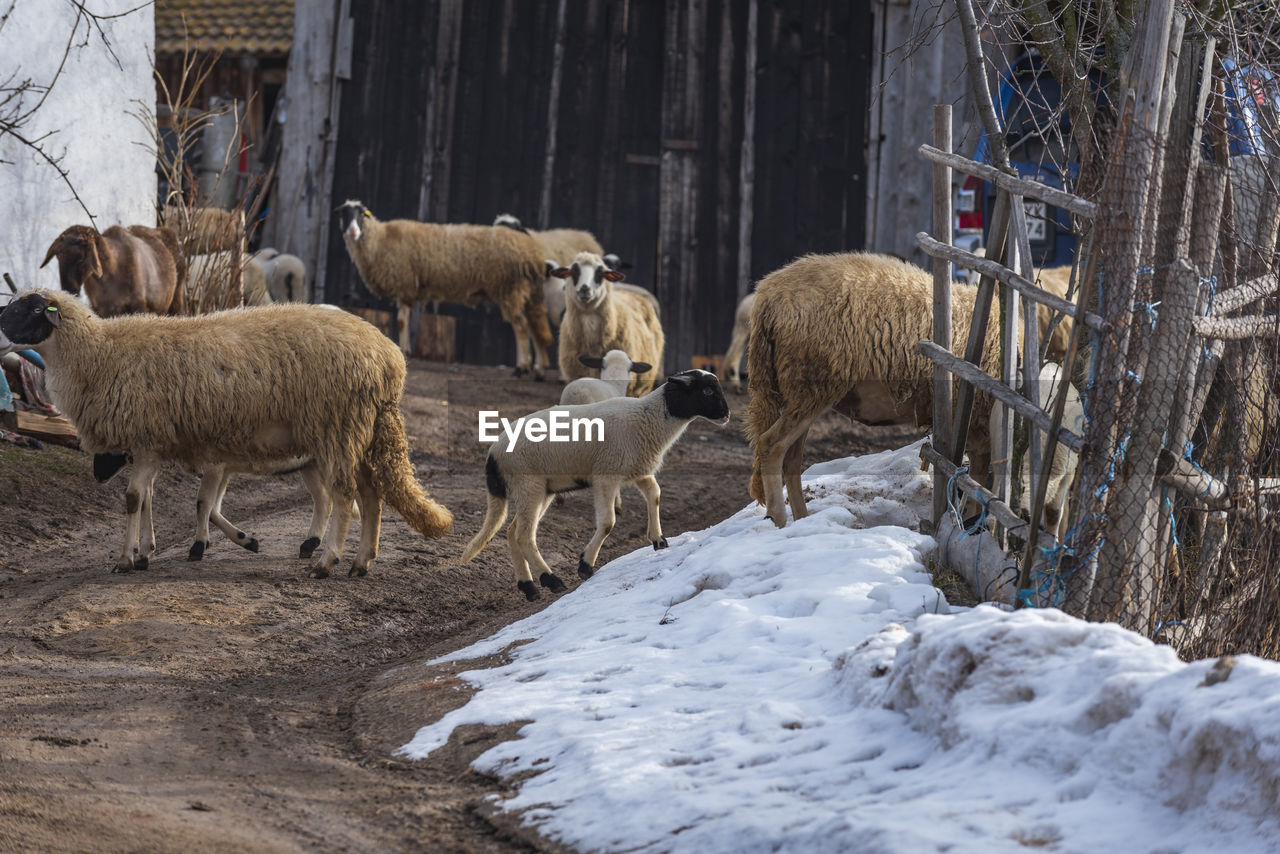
(236, 705)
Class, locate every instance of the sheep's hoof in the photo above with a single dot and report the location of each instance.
(585, 570)
(309, 545)
(551, 582)
(559, 499)
(529, 589)
(659, 544)
(357, 571)
(141, 563)
(252, 545)
(537, 375)
(197, 549)
(122, 567)
(319, 571)
(519, 372)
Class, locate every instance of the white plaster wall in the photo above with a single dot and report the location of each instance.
(89, 110)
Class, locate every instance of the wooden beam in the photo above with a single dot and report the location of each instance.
(978, 378)
(1003, 274)
(941, 302)
(1002, 512)
(1241, 295)
(1013, 184)
(1235, 328)
(1192, 481)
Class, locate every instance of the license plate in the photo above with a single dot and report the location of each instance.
(1037, 225)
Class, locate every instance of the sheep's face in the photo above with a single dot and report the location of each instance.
(615, 365)
(351, 216)
(695, 394)
(78, 260)
(29, 320)
(589, 280)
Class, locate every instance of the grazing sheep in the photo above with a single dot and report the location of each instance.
(202, 231)
(599, 318)
(634, 438)
(615, 368)
(286, 275)
(243, 387)
(738, 341)
(841, 331)
(122, 270)
(1056, 511)
(413, 261)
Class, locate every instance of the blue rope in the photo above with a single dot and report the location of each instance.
(954, 494)
(1150, 309)
(1160, 626)
(1111, 468)
(1186, 455)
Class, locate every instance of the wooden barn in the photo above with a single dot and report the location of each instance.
(706, 142)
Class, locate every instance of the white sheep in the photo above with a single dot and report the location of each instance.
(634, 437)
(599, 318)
(615, 369)
(412, 261)
(738, 341)
(243, 387)
(1056, 511)
(286, 275)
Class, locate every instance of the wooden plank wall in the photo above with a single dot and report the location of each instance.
(447, 118)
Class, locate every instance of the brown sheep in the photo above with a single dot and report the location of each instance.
(841, 331)
(411, 261)
(122, 270)
(599, 317)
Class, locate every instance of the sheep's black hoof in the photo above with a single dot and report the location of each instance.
(537, 376)
(309, 545)
(551, 582)
(529, 589)
(197, 549)
(357, 571)
(252, 545)
(585, 570)
(122, 568)
(519, 372)
(318, 572)
(140, 564)
(559, 499)
(660, 544)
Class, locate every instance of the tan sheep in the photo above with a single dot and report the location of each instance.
(412, 261)
(122, 270)
(841, 331)
(738, 341)
(202, 231)
(241, 388)
(600, 317)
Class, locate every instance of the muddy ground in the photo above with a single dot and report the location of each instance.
(236, 705)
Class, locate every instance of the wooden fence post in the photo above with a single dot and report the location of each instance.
(941, 305)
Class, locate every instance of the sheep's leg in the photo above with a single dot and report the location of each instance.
(604, 492)
(520, 566)
(212, 482)
(148, 522)
(233, 532)
(321, 507)
(652, 493)
(513, 314)
(140, 482)
(772, 446)
(336, 539)
(370, 524)
(528, 544)
(541, 360)
(733, 358)
(404, 312)
(791, 466)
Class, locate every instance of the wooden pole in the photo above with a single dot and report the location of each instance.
(942, 273)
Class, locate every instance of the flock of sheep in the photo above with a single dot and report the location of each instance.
(272, 388)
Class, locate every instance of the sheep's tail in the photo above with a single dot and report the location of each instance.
(393, 476)
(495, 513)
(762, 377)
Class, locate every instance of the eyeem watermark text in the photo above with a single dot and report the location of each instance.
(558, 427)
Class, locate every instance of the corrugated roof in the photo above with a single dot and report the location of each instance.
(229, 26)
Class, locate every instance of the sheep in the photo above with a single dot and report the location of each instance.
(599, 318)
(614, 368)
(841, 330)
(412, 261)
(634, 437)
(241, 387)
(202, 231)
(286, 275)
(738, 341)
(122, 270)
(1056, 511)
(207, 270)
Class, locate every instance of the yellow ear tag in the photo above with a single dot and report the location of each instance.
(368, 212)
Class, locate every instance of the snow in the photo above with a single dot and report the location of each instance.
(104, 148)
(807, 689)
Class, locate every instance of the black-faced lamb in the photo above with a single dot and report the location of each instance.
(738, 342)
(243, 387)
(412, 261)
(840, 331)
(634, 436)
(122, 270)
(598, 318)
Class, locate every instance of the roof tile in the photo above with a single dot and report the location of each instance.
(229, 26)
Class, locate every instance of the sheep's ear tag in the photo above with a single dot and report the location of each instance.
(54, 316)
(368, 212)
(614, 275)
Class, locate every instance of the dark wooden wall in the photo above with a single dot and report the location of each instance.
(445, 118)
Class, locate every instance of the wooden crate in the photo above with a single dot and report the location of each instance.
(437, 338)
(47, 428)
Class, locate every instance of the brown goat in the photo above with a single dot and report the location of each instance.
(122, 270)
